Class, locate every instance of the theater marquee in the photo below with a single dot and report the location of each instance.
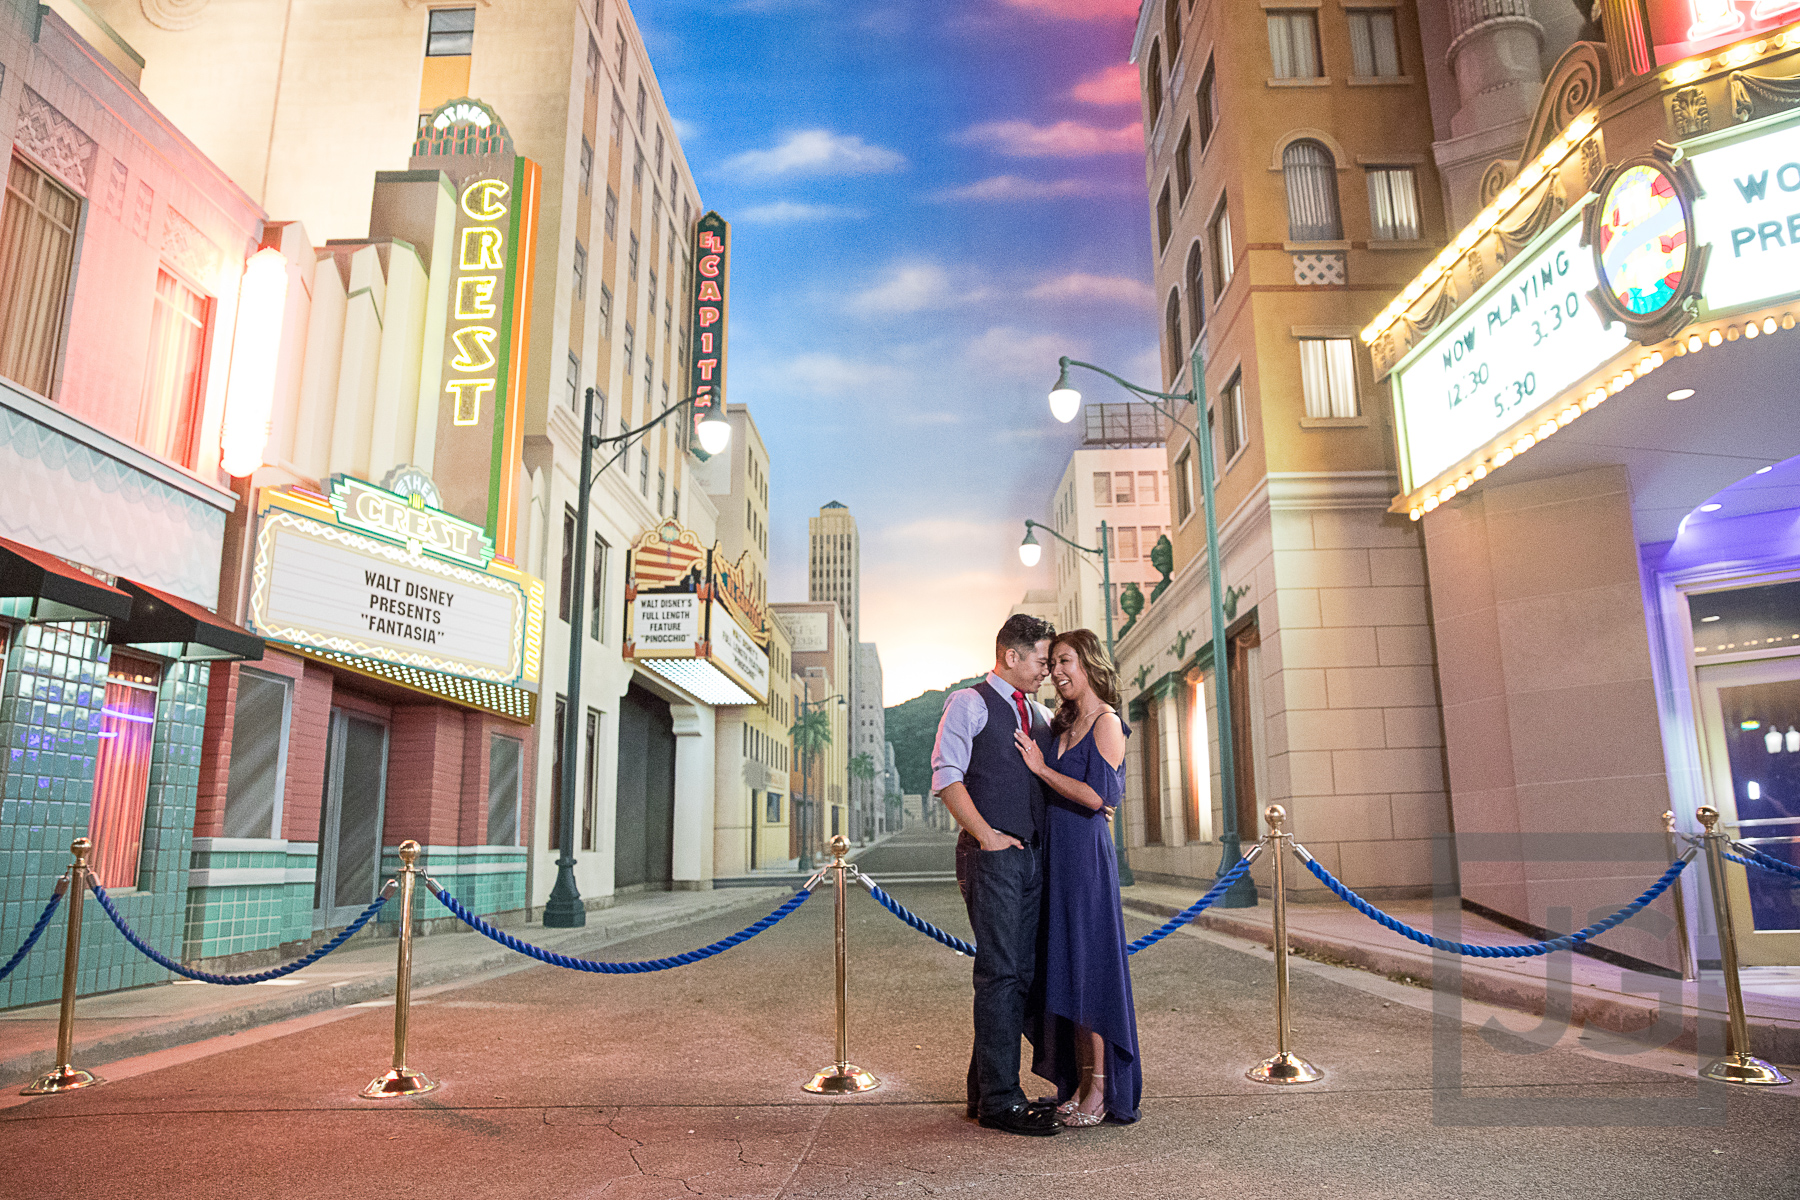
(694, 620)
(369, 579)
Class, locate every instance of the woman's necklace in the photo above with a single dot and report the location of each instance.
(1093, 715)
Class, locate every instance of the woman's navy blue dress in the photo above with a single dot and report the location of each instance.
(1083, 977)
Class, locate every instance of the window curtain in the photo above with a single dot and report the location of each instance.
(122, 782)
(1312, 193)
(1293, 45)
(1393, 203)
(1328, 377)
(169, 420)
(37, 254)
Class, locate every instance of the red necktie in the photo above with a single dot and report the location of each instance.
(1024, 716)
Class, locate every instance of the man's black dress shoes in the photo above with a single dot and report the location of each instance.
(1023, 1119)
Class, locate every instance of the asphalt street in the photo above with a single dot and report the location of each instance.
(687, 1083)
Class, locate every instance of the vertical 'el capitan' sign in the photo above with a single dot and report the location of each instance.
(711, 315)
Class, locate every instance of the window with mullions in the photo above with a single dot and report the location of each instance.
(1294, 44)
(169, 416)
(590, 779)
(1393, 204)
(1374, 43)
(1220, 235)
(259, 730)
(580, 271)
(1311, 174)
(1207, 100)
(574, 382)
(606, 304)
(1184, 163)
(1172, 335)
(597, 614)
(1194, 281)
(506, 772)
(586, 167)
(451, 33)
(1328, 377)
(1153, 84)
(1236, 430)
(565, 592)
(37, 260)
(612, 215)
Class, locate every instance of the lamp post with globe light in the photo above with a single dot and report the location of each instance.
(1029, 554)
(564, 909)
(1065, 402)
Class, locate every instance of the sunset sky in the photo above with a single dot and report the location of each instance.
(930, 201)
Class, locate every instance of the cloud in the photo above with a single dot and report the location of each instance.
(685, 130)
(1079, 10)
(1013, 353)
(1117, 84)
(1065, 139)
(832, 375)
(815, 152)
(1002, 188)
(1079, 286)
(910, 288)
(787, 212)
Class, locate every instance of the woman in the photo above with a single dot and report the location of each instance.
(1085, 1027)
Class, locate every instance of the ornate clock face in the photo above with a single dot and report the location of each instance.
(1643, 240)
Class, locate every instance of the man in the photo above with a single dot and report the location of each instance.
(979, 774)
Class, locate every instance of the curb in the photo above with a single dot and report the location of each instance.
(1772, 1039)
(181, 1031)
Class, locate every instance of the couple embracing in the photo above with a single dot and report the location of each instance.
(1033, 794)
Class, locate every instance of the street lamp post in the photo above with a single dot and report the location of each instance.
(1029, 552)
(564, 909)
(806, 758)
(1065, 402)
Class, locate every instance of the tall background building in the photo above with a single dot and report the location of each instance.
(834, 570)
(822, 658)
(1119, 476)
(1292, 188)
(868, 737)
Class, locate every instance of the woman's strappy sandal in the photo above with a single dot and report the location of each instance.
(1071, 1116)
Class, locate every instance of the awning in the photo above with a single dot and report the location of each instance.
(49, 589)
(171, 627)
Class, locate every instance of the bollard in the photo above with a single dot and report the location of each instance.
(401, 1080)
(64, 1077)
(843, 1075)
(1738, 1065)
(1284, 1066)
(1671, 840)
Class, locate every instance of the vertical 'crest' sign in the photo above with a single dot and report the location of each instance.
(711, 314)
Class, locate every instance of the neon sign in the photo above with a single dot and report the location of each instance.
(481, 261)
(1679, 29)
(711, 315)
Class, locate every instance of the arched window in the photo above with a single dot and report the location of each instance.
(1312, 193)
(1153, 83)
(1172, 334)
(1172, 27)
(1196, 294)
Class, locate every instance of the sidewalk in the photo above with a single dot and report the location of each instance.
(1602, 995)
(142, 1020)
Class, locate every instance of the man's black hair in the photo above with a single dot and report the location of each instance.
(1021, 632)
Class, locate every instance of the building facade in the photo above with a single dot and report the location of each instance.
(1119, 478)
(1609, 529)
(822, 667)
(604, 301)
(1292, 184)
(129, 278)
(868, 737)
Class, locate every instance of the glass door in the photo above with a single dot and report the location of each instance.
(1750, 715)
(350, 818)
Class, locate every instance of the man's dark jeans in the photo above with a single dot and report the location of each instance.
(1002, 889)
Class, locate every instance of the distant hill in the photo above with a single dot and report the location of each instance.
(912, 727)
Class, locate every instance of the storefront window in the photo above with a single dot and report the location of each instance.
(772, 810)
(1762, 742)
(258, 750)
(122, 769)
(505, 758)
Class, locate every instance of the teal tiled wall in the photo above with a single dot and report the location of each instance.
(484, 879)
(51, 692)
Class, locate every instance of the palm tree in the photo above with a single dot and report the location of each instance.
(862, 769)
(811, 735)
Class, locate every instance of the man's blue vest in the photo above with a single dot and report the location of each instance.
(1006, 794)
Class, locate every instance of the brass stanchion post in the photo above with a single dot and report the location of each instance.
(1284, 1066)
(1738, 1065)
(401, 1080)
(1671, 839)
(64, 1077)
(843, 1075)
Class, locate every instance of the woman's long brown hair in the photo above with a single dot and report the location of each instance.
(1098, 668)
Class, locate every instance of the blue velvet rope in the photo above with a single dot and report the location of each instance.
(915, 920)
(37, 931)
(1150, 939)
(1754, 858)
(163, 960)
(612, 968)
(1529, 949)
(1199, 906)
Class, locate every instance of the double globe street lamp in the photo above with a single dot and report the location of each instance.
(1065, 402)
(564, 909)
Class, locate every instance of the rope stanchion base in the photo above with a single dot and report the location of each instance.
(1745, 1068)
(399, 1081)
(60, 1079)
(1284, 1068)
(841, 1079)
